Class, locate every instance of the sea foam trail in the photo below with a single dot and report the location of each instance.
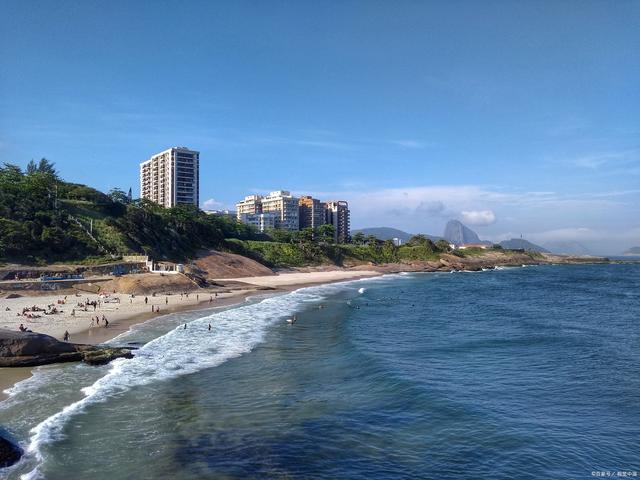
(180, 352)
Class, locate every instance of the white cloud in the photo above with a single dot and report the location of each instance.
(613, 160)
(478, 217)
(212, 204)
(410, 143)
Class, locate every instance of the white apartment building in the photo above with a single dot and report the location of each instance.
(171, 177)
(251, 204)
(286, 206)
(260, 221)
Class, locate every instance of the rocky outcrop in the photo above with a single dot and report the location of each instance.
(26, 349)
(10, 452)
(457, 233)
(522, 244)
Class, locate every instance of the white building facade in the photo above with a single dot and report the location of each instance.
(285, 206)
(171, 177)
(260, 221)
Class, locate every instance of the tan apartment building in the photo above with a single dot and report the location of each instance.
(337, 214)
(286, 206)
(171, 177)
(311, 212)
(251, 205)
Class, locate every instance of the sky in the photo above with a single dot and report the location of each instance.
(517, 118)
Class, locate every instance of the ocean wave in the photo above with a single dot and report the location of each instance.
(181, 351)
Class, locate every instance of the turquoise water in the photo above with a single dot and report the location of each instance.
(517, 373)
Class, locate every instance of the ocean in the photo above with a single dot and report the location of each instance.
(528, 373)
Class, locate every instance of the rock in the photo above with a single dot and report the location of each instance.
(105, 355)
(26, 349)
(457, 233)
(10, 452)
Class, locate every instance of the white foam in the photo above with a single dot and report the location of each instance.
(180, 352)
(361, 290)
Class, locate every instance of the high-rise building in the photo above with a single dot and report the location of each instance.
(171, 177)
(283, 203)
(312, 212)
(251, 204)
(337, 214)
(260, 221)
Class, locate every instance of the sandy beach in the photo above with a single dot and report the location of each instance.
(124, 310)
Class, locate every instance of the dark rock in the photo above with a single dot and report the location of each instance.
(105, 355)
(26, 349)
(10, 452)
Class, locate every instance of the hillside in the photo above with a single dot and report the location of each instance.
(44, 219)
(521, 244)
(567, 248)
(388, 233)
(384, 233)
(214, 264)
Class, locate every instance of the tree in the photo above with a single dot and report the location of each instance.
(326, 233)
(443, 246)
(45, 166)
(371, 240)
(305, 235)
(118, 195)
(358, 238)
(32, 167)
(417, 240)
(130, 196)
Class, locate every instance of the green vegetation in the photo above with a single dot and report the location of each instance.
(297, 249)
(45, 219)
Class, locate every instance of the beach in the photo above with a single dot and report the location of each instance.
(125, 310)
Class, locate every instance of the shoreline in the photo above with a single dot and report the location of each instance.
(234, 293)
(244, 288)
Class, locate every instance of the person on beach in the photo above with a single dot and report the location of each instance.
(106, 322)
(146, 300)
(210, 299)
(185, 326)
(66, 335)
(166, 300)
(209, 327)
(22, 328)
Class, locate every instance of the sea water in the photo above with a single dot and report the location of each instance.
(512, 373)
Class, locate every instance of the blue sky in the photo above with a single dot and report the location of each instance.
(515, 117)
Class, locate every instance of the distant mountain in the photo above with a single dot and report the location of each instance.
(519, 243)
(568, 247)
(384, 233)
(632, 251)
(457, 233)
(388, 233)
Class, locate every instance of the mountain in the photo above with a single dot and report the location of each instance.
(568, 247)
(384, 233)
(521, 244)
(459, 234)
(388, 233)
(632, 251)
